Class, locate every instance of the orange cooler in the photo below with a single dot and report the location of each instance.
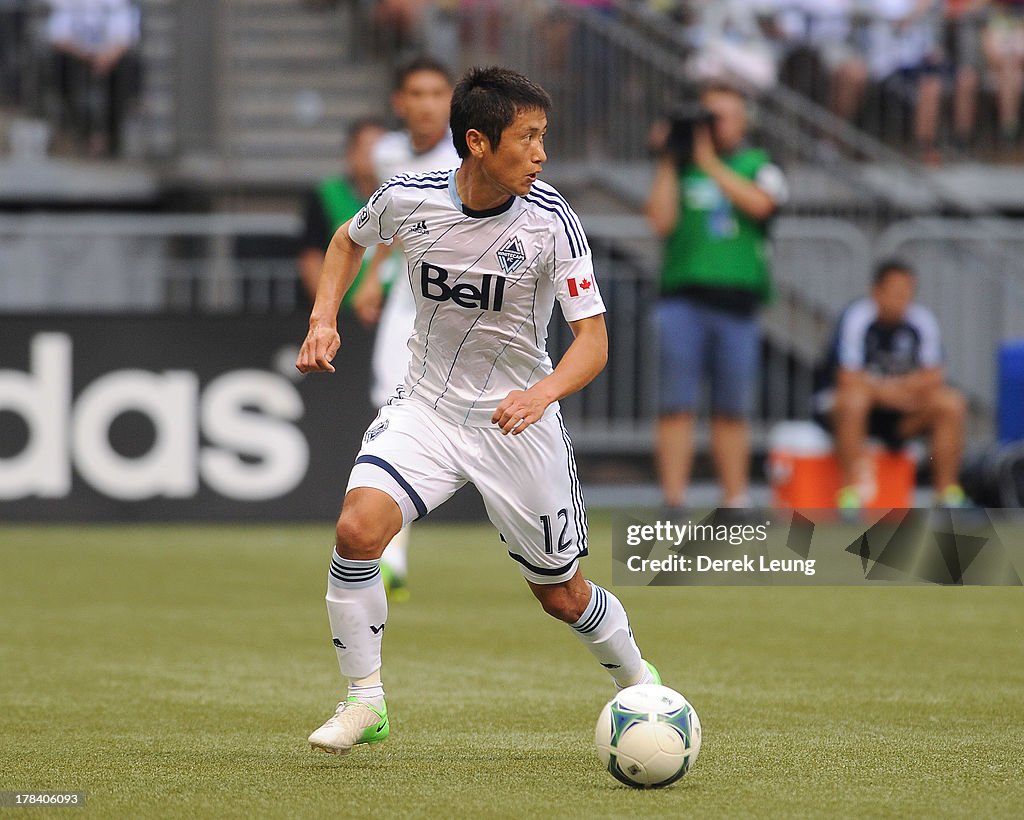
(804, 472)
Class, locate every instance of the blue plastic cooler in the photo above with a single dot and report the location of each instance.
(1010, 420)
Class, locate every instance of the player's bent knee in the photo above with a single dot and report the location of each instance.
(357, 541)
(365, 527)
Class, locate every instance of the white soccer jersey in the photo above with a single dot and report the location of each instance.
(890, 350)
(485, 283)
(393, 154)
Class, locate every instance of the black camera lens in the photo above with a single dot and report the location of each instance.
(683, 118)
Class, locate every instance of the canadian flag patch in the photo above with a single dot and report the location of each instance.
(575, 288)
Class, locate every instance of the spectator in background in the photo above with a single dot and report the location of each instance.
(904, 54)
(962, 34)
(96, 70)
(400, 23)
(1004, 50)
(730, 44)
(711, 200)
(336, 200)
(883, 377)
(819, 57)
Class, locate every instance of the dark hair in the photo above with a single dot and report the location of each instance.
(356, 127)
(890, 265)
(488, 100)
(422, 62)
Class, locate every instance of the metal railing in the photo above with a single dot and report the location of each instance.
(125, 262)
(117, 263)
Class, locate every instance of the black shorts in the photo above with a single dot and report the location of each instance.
(883, 425)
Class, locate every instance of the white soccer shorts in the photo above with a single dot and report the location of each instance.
(528, 482)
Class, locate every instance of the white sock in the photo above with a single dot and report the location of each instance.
(394, 553)
(604, 628)
(358, 611)
(737, 502)
(369, 689)
(645, 677)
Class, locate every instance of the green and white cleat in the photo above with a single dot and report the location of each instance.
(353, 723)
(655, 674)
(849, 504)
(394, 584)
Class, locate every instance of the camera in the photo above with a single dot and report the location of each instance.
(683, 118)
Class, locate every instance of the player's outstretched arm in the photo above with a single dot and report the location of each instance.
(585, 358)
(341, 264)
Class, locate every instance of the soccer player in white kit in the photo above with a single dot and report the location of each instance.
(490, 249)
(421, 99)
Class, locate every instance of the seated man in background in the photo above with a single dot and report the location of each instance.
(883, 377)
(96, 67)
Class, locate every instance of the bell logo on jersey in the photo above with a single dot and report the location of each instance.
(488, 296)
(575, 287)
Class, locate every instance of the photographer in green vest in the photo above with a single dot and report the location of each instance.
(336, 200)
(711, 201)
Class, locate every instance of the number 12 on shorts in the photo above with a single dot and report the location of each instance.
(563, 540)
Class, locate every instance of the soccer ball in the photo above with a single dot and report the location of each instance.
(648, 736)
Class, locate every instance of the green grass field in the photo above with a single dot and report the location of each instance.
(176, 671)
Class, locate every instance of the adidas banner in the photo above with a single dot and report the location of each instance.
(175, 418)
